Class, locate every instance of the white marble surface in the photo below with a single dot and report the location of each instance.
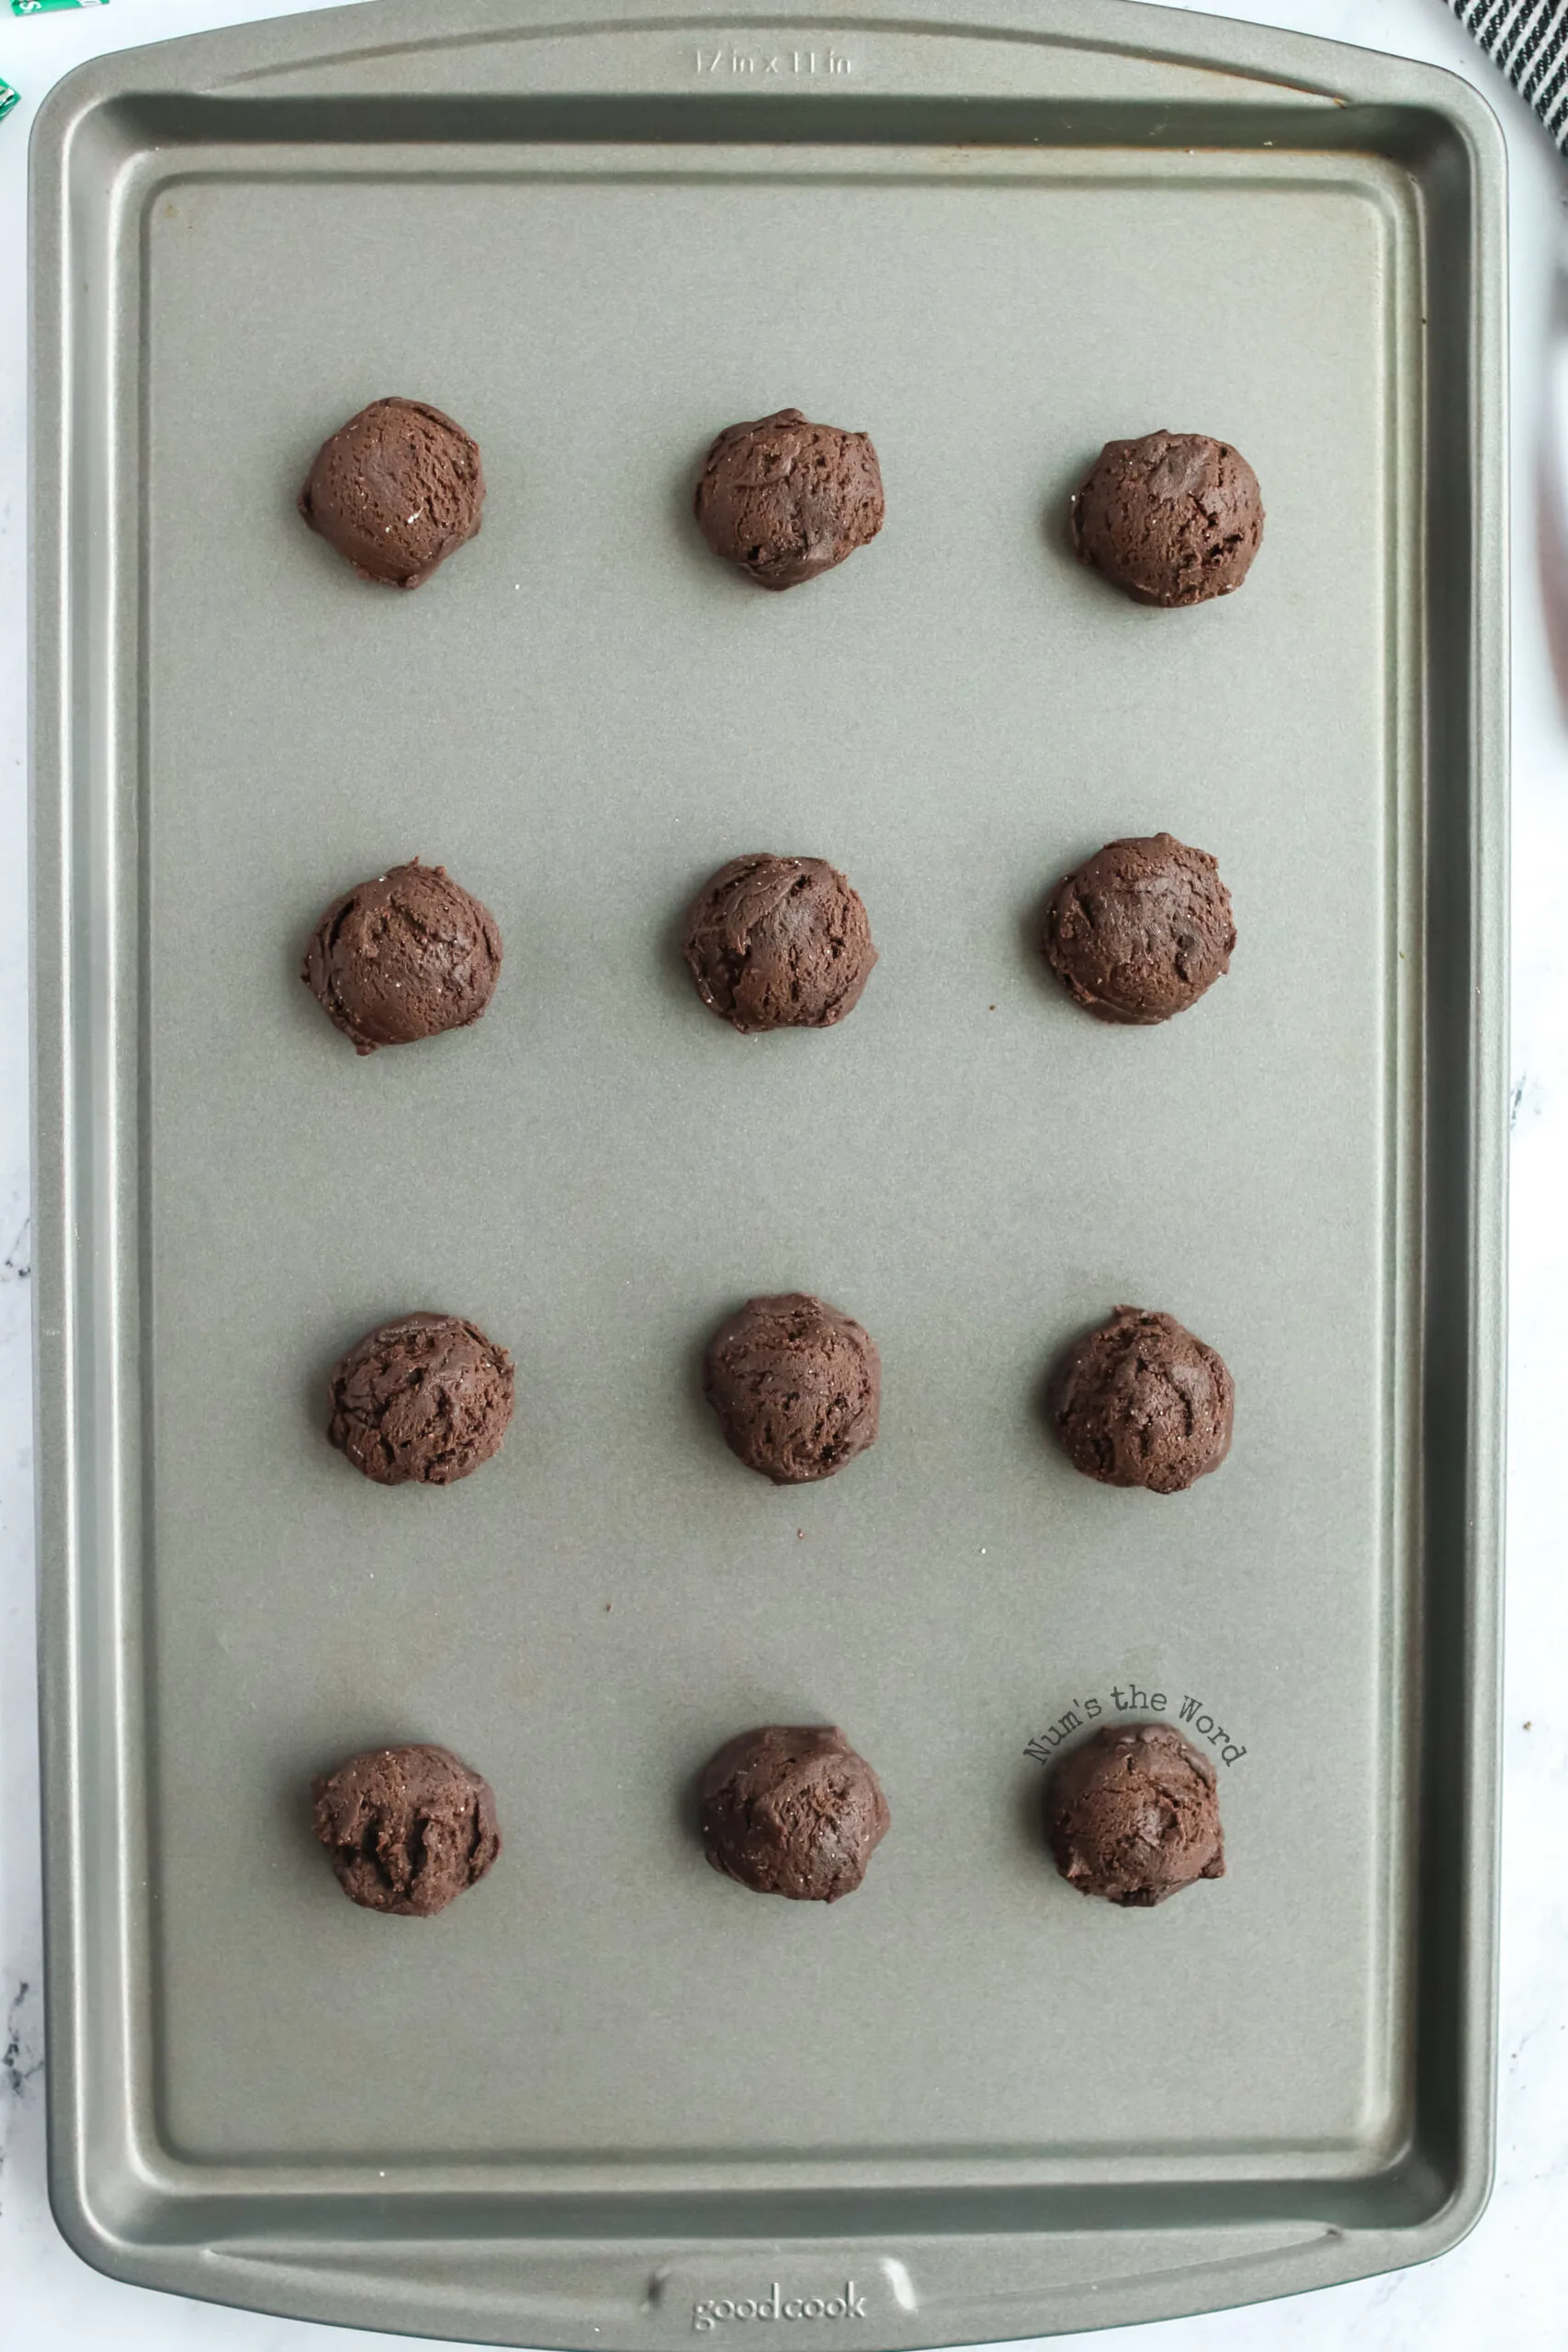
(1504, 2287)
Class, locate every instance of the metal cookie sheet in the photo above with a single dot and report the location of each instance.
(608, 2100)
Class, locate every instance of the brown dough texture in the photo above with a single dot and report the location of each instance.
(1141, 930)
(796, 1386)
(396, 490)
(778, 942)
(408, 1829)
(785, 499)
(402, 957)
(1133, 1816)
(1141, 1403)
(427, 1397)
(793, 1810)
(1174, 519)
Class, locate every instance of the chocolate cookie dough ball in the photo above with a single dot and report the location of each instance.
(427, 1397)
(1142, 930)
(796, 1386)
(785, 499)
(403, 956)
(408, 1829)
(1174, 519)
(1141, 1403)
(1133, 1816)
(396, 489)
(778, 942)
(792, 1810)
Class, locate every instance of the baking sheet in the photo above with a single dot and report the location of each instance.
(606, 2093)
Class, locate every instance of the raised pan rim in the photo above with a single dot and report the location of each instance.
(307, 2283)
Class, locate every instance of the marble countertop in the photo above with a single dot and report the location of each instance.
(1504, 2286)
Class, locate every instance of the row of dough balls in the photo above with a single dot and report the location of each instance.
(1132, 1816)
(1137, 933)
(796, 1386)
(1172, 518)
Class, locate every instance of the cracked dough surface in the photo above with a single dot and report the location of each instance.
(778, 942)
(426, 1397)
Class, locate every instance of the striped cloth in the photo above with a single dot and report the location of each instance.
(1528, 40)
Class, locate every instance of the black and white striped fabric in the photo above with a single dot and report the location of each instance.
(1528, 40)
